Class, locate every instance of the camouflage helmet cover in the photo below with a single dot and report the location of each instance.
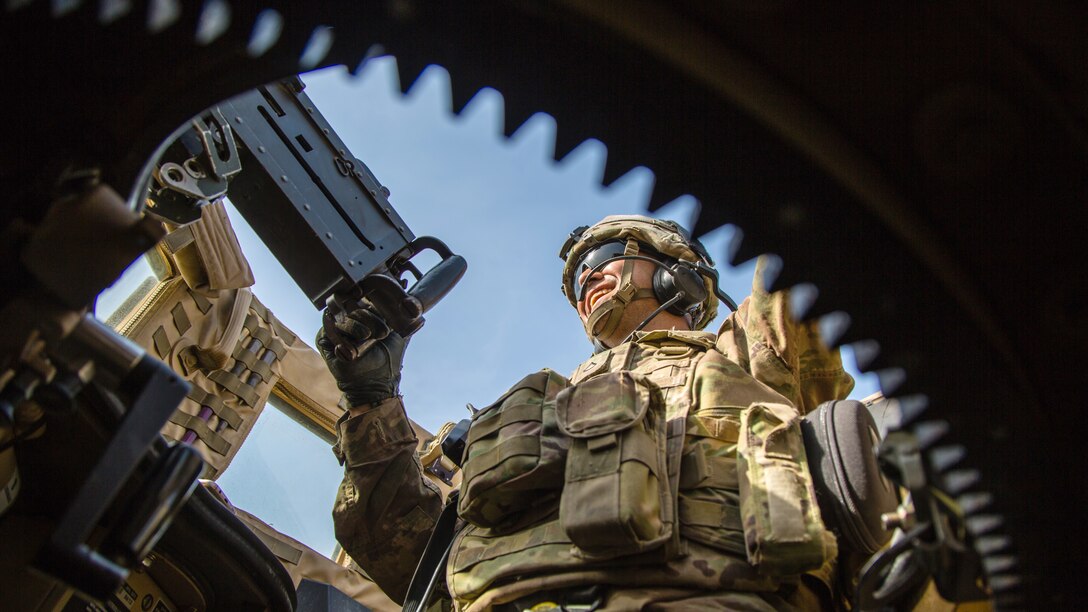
(665, 237)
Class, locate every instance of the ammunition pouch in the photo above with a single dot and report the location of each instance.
(206, 252)
(224, 342)
(616, 497)
(709, 502)
(783, 531)
(513, 449)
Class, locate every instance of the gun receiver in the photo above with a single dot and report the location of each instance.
(321, 212)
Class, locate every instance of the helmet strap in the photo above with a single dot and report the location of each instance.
(611, 312)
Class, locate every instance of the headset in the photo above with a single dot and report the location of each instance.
(677, 283)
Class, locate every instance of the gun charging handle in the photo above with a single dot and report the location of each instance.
(401, 310)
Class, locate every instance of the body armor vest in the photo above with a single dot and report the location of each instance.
(621, 477)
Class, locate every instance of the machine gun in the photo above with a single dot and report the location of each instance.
(327, 220)
(322, 212)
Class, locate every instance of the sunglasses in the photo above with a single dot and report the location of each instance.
(597, 257)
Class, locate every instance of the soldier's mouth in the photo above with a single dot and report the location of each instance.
(597, 296)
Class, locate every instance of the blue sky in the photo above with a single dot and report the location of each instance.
(504, 205)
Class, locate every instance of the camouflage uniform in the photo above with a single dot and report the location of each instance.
(669, 469)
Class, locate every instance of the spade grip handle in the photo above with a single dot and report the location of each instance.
(401, 309)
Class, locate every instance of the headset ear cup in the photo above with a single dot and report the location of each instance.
(668, 281)
(664, 287)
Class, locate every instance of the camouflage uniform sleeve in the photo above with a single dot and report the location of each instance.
(385, 508)
(786, 355)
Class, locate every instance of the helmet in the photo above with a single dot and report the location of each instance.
(684, 265)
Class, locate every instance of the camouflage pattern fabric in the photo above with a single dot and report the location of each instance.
(703, 393)
(385, 509)
(786, 355)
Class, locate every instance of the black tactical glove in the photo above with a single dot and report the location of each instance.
(375, 375)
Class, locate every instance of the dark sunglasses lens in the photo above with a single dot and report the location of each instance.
(594, 258)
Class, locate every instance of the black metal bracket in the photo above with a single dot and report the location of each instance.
(152, 391)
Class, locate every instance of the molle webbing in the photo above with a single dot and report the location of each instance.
(709, 514)
(697, 470)
(198, 426)
(514, 447)
(548, 533)
(517, 414)
(203, 303)
(216, 405)
(253, 363)
(178, 239)
(281, 330)
(232, 383)
(265, 337)
(181, 320)
(161, 342)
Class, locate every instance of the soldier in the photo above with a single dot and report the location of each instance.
(667, 473)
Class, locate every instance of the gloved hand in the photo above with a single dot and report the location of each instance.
(375, 375)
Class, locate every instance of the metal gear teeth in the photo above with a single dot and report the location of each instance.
(409, 69)
(993, 544)
(1003, 584)
(983, 524)
(958, 481)
(973, 503)
(999, 564)
(802, 297)
(740, 249)
(833, 327)
(891, 379)
(110, 11)
(912, 407)
(944, 458)
(866, 352)
(929, 433)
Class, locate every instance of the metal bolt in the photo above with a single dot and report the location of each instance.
(890, 520)
(351, 263)
(283, 177)
(306, 207)
(238, 120)
(261, 149)
(309, 109)
(326, 130)
(388, 211)
(328, 234)
(902, 518)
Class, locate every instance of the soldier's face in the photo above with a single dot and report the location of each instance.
(604, 283)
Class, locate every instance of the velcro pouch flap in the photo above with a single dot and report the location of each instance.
(603, 405)
(616, 498)
(783, 531)
(513, 447)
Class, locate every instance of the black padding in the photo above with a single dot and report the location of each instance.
(840, 440)
(233, 569)
(321, 597)
(679, 277)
